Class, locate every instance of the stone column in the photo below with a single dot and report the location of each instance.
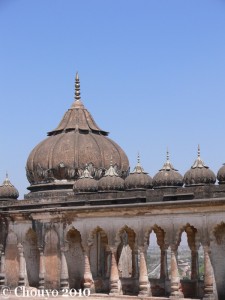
(88, 278)
(108, 262)
(208, 275)
(64, 276)
(22, 266)
(163, 263)
(135, 267)
(2, 269)
(41, 269)
(194, 264)
(114, 280)
(144, 284)
(175, 278)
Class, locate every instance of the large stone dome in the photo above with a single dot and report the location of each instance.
(77, 142)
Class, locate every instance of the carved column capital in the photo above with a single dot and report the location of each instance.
(112, 248)
(173, 248)
(20, 248)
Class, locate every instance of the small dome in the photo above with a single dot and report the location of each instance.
(7, 190)
(85, 183)
(110, 181)
(221, 175)
(167, 176)
(138, 179)
(199, 174)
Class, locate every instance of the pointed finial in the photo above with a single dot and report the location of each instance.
(167, 154)
(77, 87)
(138, 168)
(198, 150)
(199, 163)
(6, 181)
(167, 165)
(138, 158)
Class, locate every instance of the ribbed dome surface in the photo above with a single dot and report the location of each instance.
(221, 175)
(7, 190)
(75, 143)
(111, 181)
(167, 176)
(138, 179)
(85, 183)
(199, 174)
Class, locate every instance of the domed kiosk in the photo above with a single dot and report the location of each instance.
(221, 175)
(138, 179)
(77, 142)
(167, 176)
(199, 174)
(8, 190)
(86, 183)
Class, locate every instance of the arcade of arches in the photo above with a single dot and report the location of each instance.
(110, 254)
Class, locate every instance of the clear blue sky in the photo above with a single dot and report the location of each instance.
(152, 74)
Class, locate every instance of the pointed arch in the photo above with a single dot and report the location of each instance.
(32, 257)
(126, 242)
(219, 233)
(12, 259)
(156, 259)
(52, 259)
(192, 236)
(187, 244)
(74, 257)
(160, 234)
(99, 259)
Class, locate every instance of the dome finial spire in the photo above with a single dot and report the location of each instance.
(138, 158)
(138, 168)
(6, 181)
(198, 150)
(77, 88)
(167, 154)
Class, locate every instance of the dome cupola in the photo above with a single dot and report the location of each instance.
(167, 176)
(138, 179)
(199, 174)
(111, 181)
(221, 175)
(7, 190)
(76, 142)
(86, 183)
